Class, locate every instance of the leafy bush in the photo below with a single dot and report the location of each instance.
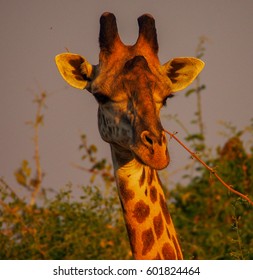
(212, 222)
(61, 228)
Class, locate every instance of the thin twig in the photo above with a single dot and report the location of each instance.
(84, 168)
(2, 181)
(38, 121)
(211, 170)
(199, 53)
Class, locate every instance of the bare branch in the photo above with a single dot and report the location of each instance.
(211, 170)
(40, 100)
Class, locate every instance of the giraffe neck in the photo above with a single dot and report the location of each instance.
(150, 229)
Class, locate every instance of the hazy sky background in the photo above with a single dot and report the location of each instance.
(33, 32)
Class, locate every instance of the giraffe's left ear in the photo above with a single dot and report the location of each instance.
(75, 69)
(182, 71)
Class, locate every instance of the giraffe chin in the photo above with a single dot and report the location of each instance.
(157, 160)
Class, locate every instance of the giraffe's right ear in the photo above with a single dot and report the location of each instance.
(182, 71)
(75, 69)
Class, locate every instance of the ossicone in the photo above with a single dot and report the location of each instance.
(147, 32)
(108, 34)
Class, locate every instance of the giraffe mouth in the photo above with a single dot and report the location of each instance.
(151, 149)
(157, 158)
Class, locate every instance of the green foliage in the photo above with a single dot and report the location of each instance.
(61, 228)
(23, 173)
(213, 223)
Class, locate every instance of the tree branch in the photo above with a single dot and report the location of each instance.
(38, 122)
(211, 170)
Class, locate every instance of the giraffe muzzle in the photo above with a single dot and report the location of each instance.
(152, 150)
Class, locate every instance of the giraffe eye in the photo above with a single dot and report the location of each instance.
(101, 98)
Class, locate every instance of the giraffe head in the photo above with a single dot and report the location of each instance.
(130, 86)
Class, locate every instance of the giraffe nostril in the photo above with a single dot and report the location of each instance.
(147, 139)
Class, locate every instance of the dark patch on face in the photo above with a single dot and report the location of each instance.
(153, 194)
(148, 241)
(124, 132)
(158, 225)
(101, 98)
(141, 211)
(165, 210)
(178, 250)
(168, 252)
(132, 236)
(136, 62)
(142, 178)
(125, 193)
(146, 192)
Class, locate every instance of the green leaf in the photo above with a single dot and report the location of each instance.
(26, 169)
(189, 92)
(20, 178)
(196, 136)
(200, 147)
(202, 87)
(93, 148)
(194, 121)
(200, 55)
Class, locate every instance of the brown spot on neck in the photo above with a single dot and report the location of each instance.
(125, 193)
(141, 211)
(157, 257)
(168, 252)
(158, 225)
(143, 176)
(148, 241)
(165, 210)
(153, 194)
(151, 176)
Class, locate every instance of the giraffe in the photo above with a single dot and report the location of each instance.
(131, 86)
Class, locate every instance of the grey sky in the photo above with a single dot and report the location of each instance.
(33, 32)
